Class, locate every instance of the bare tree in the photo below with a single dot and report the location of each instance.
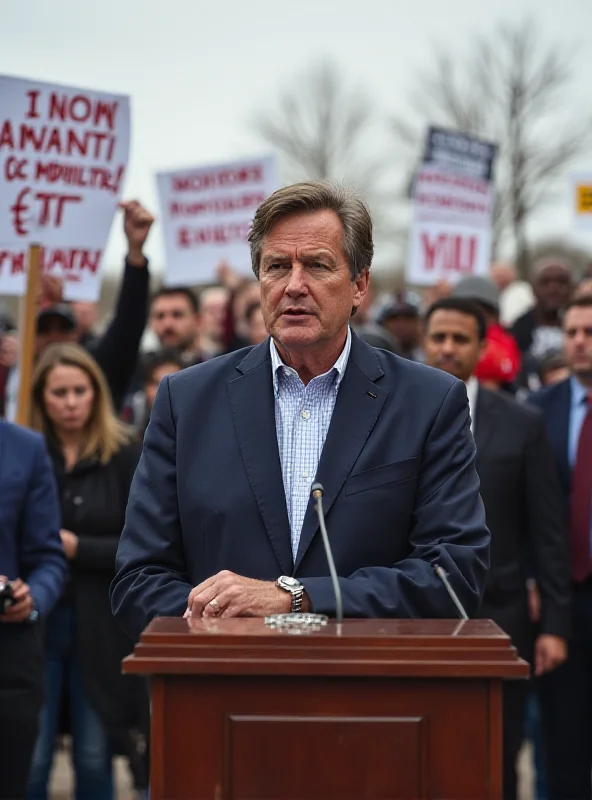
(324, 128)
(317, 125)
(512, 90)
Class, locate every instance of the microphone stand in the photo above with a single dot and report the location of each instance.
(317, 493)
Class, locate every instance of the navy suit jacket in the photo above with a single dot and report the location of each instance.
(30, 520)
(401, 492)
(555, 403)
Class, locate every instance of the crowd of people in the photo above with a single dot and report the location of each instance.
(524, 351)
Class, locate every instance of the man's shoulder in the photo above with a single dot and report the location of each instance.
(403, 371)
(24, 440)
(518, 412)
(550, 395)
(213, 369)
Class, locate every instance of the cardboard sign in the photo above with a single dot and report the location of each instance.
(459, 153)
(207, 213)
(451, 231)
(63, 157)
(582, 193)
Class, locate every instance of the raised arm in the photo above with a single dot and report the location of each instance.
(117, 350)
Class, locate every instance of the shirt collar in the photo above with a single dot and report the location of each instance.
(472, 390)
(339, 366)
(579, 393)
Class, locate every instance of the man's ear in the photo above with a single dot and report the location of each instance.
(361, 284)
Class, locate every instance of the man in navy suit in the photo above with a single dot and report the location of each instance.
(33, 564)
(220, 521)
(566, 694)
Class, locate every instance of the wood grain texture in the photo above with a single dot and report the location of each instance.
(378, 709)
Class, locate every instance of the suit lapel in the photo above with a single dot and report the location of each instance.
(353, 419)
(253, 413)
(485, 419)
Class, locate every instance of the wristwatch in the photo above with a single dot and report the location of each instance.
(295, 588)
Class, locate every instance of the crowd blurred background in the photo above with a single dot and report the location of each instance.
(98, 366)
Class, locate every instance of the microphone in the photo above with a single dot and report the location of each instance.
(454, 597)
(318, 492)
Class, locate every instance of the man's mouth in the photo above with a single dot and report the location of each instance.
(296, 312)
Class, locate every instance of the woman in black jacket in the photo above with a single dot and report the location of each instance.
(94, 459)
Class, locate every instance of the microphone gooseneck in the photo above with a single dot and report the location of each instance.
(317, 493)
(454, 597)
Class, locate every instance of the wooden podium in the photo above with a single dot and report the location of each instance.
(370, 709)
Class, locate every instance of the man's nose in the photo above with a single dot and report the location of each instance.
(297, 281)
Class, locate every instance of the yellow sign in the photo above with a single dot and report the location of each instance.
(584, 198)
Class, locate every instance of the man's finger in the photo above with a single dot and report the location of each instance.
(20, 616)
(19, 611)
(20, 590)
(233, 609)
(199, 589)
(201, 601)
(223, 600)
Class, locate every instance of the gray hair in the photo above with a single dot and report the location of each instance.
(318, 196)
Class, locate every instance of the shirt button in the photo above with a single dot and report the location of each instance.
(305, 414)
(305, 475)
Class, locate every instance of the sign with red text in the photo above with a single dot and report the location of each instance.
(451, 232)
(63, 158)
(207, 214)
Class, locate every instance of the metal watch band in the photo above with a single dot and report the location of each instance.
(297, 600)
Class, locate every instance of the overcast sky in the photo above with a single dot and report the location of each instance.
(197, 71)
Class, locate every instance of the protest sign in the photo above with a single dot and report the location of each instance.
(582, 200)
(63, 157)
(460, 154)
(206, 215)
(451, 232)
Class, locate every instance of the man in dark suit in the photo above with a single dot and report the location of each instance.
(523, 507)
(32, 571)
(566, 695)
(221, 498)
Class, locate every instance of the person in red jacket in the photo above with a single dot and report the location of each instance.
(500, 361)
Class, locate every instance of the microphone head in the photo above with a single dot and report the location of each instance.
(317, 490)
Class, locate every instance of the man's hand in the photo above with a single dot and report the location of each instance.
(534, 601)
(137, 222)
(69, 543)
(236, 596)
(51, 290)
(22, 608)
(549, 653)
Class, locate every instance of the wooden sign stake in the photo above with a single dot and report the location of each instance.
(27, 334)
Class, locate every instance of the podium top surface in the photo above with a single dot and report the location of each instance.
(388, 647)
(350, 629)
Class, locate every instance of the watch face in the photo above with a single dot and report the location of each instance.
(289, 582)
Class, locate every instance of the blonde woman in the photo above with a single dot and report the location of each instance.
(94, 459)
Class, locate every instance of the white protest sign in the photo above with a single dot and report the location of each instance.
(63, 157)
(582, 200)
(451, 232)
(206, 213)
